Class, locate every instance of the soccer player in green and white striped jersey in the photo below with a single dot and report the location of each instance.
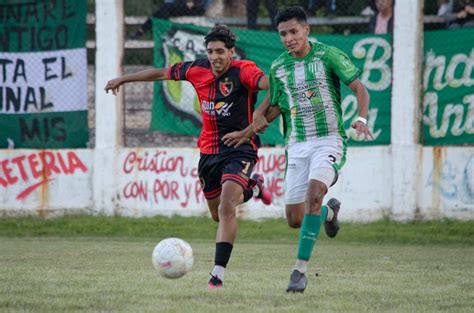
(305, 90)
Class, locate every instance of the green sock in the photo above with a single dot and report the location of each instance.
(324, 213)
(308, 235)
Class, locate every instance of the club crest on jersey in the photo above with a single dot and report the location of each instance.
(225, 87)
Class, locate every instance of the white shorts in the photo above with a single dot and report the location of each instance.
(320, 159)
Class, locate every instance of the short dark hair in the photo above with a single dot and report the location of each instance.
(295, 12)
(221, 32)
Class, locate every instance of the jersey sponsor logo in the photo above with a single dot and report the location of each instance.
(220, 108)
(226, 87)
(310, 94)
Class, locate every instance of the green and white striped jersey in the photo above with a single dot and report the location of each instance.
(307, 90)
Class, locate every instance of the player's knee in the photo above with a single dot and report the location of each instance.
(227, 209)
(314, 200)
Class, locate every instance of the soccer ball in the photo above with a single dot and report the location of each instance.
(172, 257)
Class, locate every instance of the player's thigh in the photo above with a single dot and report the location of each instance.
(328, 154)
(296, 175)
(210, 175)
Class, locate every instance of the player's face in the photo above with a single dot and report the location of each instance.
(219, 56)
(294, 35)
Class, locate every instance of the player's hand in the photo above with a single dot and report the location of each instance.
(235, 139)
(361, 128)
(113, 85)
(259, 124)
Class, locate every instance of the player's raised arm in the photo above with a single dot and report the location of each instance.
(363, 98)
(146, 75)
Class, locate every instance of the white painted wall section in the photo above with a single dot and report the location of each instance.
(108, 123)
(164, 182)
(45, 182)
(406, 95)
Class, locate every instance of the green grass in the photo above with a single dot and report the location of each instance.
(433, 232)
(87, 264)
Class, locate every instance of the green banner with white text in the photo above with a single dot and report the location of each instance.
(43, 74)
(176, 107)
(448, 84)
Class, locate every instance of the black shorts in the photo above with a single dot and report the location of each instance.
(215, 169)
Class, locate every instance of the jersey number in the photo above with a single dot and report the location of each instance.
(246, 168)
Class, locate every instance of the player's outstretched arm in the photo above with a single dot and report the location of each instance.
(143, 76)
(360, 125)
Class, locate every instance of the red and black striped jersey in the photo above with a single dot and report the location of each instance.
(227, 102)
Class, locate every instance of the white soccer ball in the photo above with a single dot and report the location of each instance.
(172, 257)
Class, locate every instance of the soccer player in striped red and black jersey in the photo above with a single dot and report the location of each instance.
(227, 90)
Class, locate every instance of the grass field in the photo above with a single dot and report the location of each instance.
(104, 264)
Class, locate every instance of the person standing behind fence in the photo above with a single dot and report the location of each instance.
(172, 8)
(464, 13)
(305, 89)
(329, 5)
(252, 12)
(382, 21)
(227, 90)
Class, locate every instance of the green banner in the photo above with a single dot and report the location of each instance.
(176, 107)
(42, 25)
(43, 74)
(46, 129)
(448, 103)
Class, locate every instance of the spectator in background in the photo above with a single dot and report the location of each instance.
(370, 9)
(445, 10)
(445, 7)
(172, 8)
(252, 11)
(382, 22)
(464, 14)
(329, 5)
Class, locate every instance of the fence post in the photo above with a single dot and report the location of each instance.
(108, 109)
(405, 111)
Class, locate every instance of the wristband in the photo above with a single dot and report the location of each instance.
(361, 119)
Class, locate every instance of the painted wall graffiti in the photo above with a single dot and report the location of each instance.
(452, 181)
(272, 166)
(32, 170)
(159, 178)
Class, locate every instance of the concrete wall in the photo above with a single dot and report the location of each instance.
(164, 182)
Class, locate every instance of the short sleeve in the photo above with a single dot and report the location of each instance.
(277, 95)
(178, 71)
(342, 65)
(250, 75)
